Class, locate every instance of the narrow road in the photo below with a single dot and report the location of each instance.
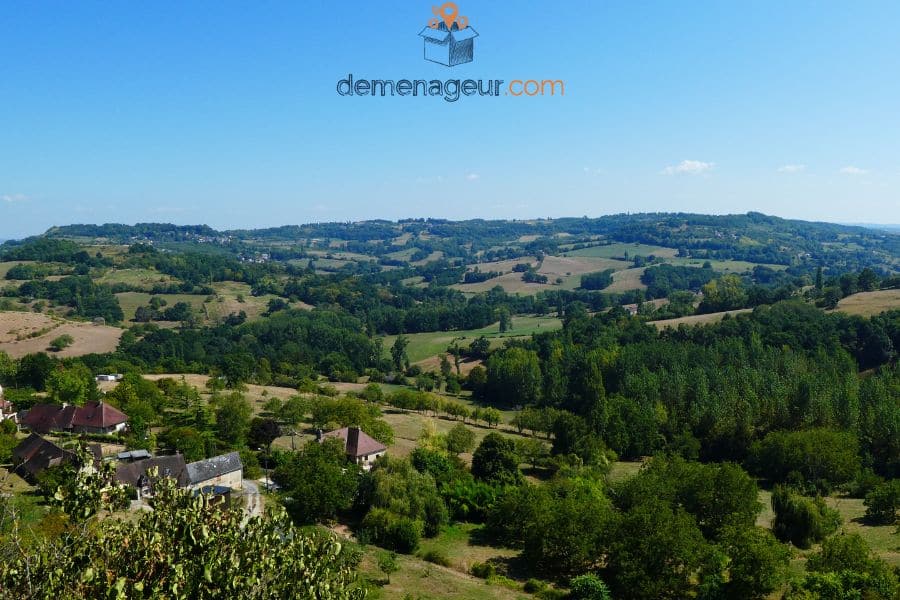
(253, 502)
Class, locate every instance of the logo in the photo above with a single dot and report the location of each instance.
(448, 38)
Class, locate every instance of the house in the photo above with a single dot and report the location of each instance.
(35, 454)
(135, 472)
(93, 417)
(104, 377)
(225, 470)
(98, 417)
(359, 446)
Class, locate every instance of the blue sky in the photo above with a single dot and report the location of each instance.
(226, 113)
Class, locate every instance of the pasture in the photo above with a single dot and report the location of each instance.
(697, 319)
(24, 333)
(424, 345)
(868, 304)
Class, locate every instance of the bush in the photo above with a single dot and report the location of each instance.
(438, 557)
(483, 570)
(391, 531)
(588, 587)
(802, 521)
(533, 586)
(883, 502)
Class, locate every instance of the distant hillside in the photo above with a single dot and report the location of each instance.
(751, 237)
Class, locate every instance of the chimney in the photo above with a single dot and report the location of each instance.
(352, 440)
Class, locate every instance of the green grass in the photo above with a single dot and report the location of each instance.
(6, 266)
(425, 345)
(724, 266)
(129, 301)
(618, 250)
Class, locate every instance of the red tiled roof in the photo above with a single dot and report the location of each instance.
(364, 446)
(98, 414)
(49, 417)
(54, 417)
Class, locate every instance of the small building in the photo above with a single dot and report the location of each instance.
(226, 470)
(34, 454)
(93, 417)
(135, 473)
(361, 448)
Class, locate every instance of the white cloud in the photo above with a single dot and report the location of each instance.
(688, 167)
(14, 198)
(473, 177)
(791, 168)
(851, 170)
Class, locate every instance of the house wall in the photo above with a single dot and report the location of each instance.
(104, 430)
(234, 480)
(367, 461)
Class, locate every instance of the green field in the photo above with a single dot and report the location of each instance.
(143, 278)
(724, 266)
(425, 345)
(129, 301)
(619, 250)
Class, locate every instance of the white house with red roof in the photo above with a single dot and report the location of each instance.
(361, 448)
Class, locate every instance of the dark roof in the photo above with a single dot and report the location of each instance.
(34, 454)
(357, 442)
(49, 417)
(98, 414)
(55, 417)
(167, 466)
(203, 470)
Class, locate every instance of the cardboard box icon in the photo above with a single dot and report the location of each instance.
(449, 47)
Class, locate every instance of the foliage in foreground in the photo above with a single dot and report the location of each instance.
(184, 548)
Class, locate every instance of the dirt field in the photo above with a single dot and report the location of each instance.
(867, 304)
(16, 327)
(698, 319)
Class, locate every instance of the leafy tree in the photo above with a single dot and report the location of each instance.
(505, 319)
(531, 450)
(724, 293)
(496, 461)
(513, 377)
(883, 503)
(233, 420)
(845, 567)
(801, 521)
(460, 439)
(758, 563)
(819, 456)
(656, 552)
(317, 482)
(262, 432)
(398, 353)
(186, 440)
(70, 385)
(182, 549)
(387, 564)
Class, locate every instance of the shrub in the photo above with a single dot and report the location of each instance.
(588, 587)
(391, 531)
(533, 586)
(483, 570)
(802, 521)
(438, 557)
(883, 502)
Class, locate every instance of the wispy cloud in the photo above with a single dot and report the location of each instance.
(688, 167)
(851, 170)
(14, 198)
(791, 168)
(473, 177)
